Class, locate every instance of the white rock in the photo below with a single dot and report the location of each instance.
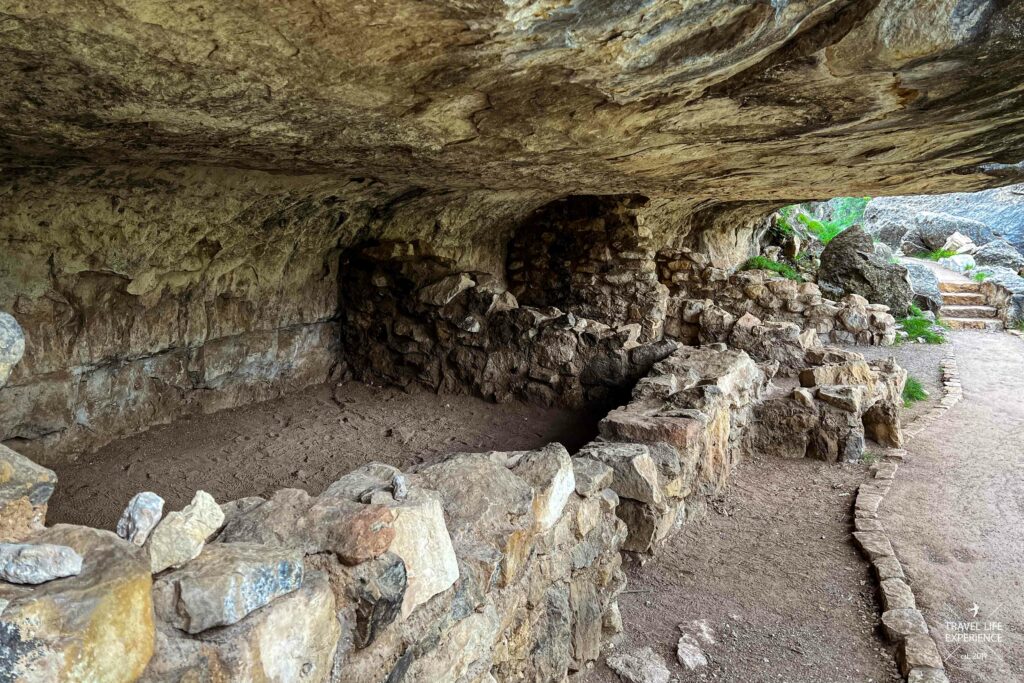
(642, 666)
(689, 653)
(446, 289)
(140, 517)
(181, 535)
(37, 563)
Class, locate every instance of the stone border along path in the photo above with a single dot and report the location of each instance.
(917, 654)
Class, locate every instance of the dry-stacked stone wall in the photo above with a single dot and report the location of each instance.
(408, 317)
(691, 280)
(589, 256)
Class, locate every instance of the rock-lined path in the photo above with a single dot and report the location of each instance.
(955, 515)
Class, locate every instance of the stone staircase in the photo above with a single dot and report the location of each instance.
(965, 307)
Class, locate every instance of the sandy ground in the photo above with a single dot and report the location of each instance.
(304, 440)
(956, 514)
(771, 571)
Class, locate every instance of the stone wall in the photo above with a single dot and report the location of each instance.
(409, 316)
(483, 567)
(588, 256)
(691, 279)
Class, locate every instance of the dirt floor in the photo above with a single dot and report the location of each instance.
(304, 440)
(955, 515)
(772, 574)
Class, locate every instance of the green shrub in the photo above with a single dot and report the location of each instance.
(762, 263)
(921, 328)
(937, 254)
(980, 276)
(846, 211)
(913, 391)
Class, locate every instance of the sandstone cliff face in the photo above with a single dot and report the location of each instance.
(180, 183)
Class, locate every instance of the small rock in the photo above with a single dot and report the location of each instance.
(689, 653)
(181, 535)
(896, 594)
(591, 476)
(37, 563)
(642, 666)
(900, 623)
(12, 345)
(926, 675)
(399, 487)
(918, 651)
(140, 517)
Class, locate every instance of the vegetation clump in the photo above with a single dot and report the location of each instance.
(918, 328)
(763, 263)
(913, 391)
(846, 211)
(979, 276)
(937, 255)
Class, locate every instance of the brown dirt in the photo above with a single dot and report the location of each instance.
(304, 440)
(772, 571)
(955, 514)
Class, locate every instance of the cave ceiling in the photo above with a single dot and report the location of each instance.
(720, 100)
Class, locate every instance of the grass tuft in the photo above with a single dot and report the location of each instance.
(763, 263)
(980, 276)
(937, 254)
(920, 328)
(913, 391)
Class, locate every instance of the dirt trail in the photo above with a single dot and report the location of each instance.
(772, 574)
(955, 514)
(304, 440)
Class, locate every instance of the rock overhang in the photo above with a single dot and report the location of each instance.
(718, 100)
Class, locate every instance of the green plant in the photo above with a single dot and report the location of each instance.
(980, 276)
(1019, 325)
(762, 263)
(920, 328)
(937, 254)
(869, 458)
(913, 391)
(846, 211)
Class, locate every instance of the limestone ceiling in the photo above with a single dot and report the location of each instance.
(730, 100)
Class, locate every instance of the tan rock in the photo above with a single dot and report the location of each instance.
(96, 626)
(181, 535)
(550, 472)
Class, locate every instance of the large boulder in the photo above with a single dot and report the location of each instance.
(999, 252)
(1001, 210)
(925, 286)
(849, 265)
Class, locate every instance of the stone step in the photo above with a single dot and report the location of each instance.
(968, 312)
(964, 299)
(968, 287)
(985, 324)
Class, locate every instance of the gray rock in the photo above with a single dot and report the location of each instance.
(641, 666)
(902, 622)
(12, 345)
(689, 653)
(925, 286)
(591, 476)
(999, 253)
(849, 266)
(225, 583)
(140, 517)
(37, 563)
(1001, 210)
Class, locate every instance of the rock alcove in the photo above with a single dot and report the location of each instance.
(528, 204)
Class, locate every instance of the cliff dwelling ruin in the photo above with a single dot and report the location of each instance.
(425, 321)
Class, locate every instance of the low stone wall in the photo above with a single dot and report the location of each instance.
(689, 277)
(481, 567)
